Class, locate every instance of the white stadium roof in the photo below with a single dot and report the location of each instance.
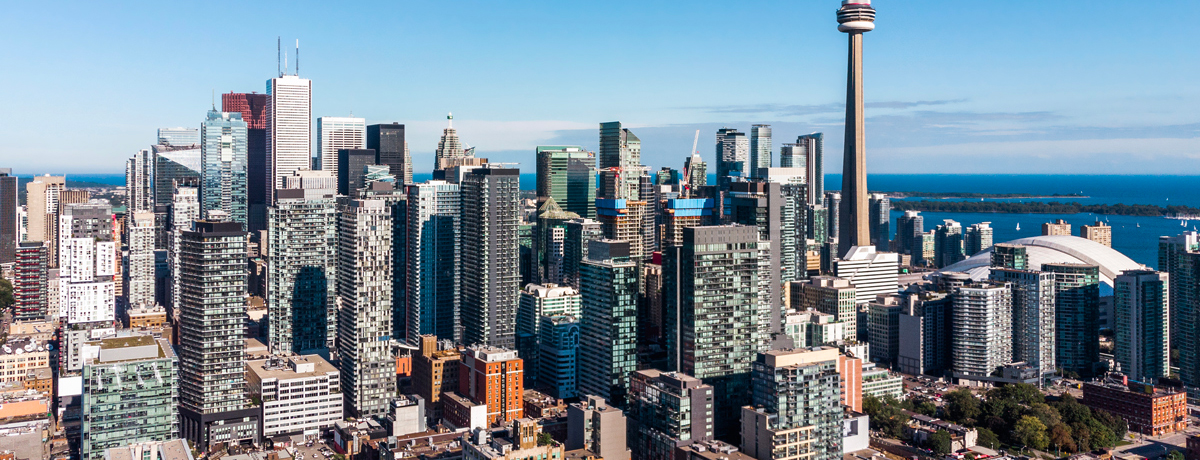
(1054, 249)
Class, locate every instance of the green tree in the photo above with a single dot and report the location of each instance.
(1101, 436)
(987, 438)
(1175, 455)
(1117, 425)
(1071, 411)
(6, 294)
(939, 442)
(1022, 393)
(1060, 436)
(1048, 415)
(925, 408)
(962, 406)
(1082, 435)
(1030, 432)
(871, 405)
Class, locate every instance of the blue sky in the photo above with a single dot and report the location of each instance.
(1097, 87)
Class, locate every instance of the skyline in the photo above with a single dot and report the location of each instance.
(1010, 85)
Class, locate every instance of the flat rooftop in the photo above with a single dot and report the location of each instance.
(281, 368)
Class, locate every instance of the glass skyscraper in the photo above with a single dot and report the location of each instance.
(567, 174)
(434, 229)
(608, 337)
(223, 158)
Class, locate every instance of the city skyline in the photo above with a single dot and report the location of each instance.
(997, 94)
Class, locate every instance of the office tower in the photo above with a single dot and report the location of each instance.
(493, 377)
(178, 136)
(140, 276)
(351, 169)
(491, 213)
(667, 410)
(977, 238)
(558, 355)
(872, 273)
(435, 371)
(449, 148)
(620, 148)
(650, 302)
(696, 171)
(577, 234)
(1033, 315)
(177, 165)
(883, 315)
(594, 425)
(833, 202)
(253, 108)
(667, 176)
(829, 295)
(855, 19)
(212, 309)
(285, 411)
(302, 265)
(364, 289)
(1058, 227)
(608, 320)
(289, 131)
(796, 411)
(760, 149)
(535, 302)
(1008, 255)
(10, 225)
(792, 156)
(1076, 317)
(41, 198)
(925, 334)
(760, 205)
(547, 243)
(130, 394)
(715, 336)
(1099, 232)
(1141, 309)
(948, 243)
(981, 327)
(391, 148)
(432, 297)
(30, 289)
(567, 174)
(909, 228)
(139, 181)
(337, 133)
(880, 220)
(87, 262)
(223, 180)
(812, 148)
(733, 156)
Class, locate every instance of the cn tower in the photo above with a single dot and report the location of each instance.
(854, 18)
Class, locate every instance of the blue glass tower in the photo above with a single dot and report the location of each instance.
(223, 163)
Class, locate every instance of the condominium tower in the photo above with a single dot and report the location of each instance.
(490, 257)
(223, 180)
(301, 270)
(434, 273)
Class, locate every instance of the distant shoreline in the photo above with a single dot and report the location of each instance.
(1041, 207)
(963, 195)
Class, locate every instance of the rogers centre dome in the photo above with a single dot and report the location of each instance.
(1054, 249)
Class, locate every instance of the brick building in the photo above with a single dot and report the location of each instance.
(1148, 410)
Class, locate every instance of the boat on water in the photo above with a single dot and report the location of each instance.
(1018, 226)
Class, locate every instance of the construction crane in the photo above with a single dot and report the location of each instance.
(687, 184)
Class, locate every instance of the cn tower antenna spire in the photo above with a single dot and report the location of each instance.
(854, 18)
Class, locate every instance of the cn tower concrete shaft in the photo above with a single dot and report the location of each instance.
(853, 229)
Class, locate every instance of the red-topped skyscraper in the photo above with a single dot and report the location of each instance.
(253, 108)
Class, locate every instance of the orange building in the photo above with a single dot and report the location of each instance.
(1150, 411)
(494, 377)
(435, 371)
(851, 371)
(404, 366)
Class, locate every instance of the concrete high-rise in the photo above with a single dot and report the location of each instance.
(567, 174)
(213, 404)
(810, 147)
(796, 411)
(87, 260)
(948, 243)
(537, 301)
(253, 108)
(1099, 232)
(1180, 257)
(716, 336)
(449, 147)
(434, 273)
(982, 329)
(696, 170)
(1058, 227)
(608, 321)
(41, 198)
(364, 296)
(1141, 307)
(831, 296)
(289, 130)
(977, 238)
(490, 256)
(30, 283)
(880, 221)
(391, 148)
(733, 157)
(761, 205)
(871, 272)
(667, 410)
(139, 278)
(854, 17)
(760, 149)
(549, 236)
(909, 228)
(10, 226)
(223, 181)
(337, 133)
(302, 260)
(139, 181)
(577, 234)
(1033, 316)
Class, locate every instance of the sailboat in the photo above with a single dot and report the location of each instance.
(1139, 224)
(1018, 226)
(1182, 223)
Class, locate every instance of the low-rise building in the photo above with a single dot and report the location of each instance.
(519, 441)
(880, 382)
(299, 394)
(19, 356)
(435, 372)
(1148, 410)
(175, 449)
(921, 427)
(710, 450)
(407, 415)
(145, 316)
(595, 425)
(37, 330)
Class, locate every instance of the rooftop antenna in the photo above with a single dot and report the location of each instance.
(450, 119)
(297, 57)
(214, 99)
(285, 66)
(278, 55)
